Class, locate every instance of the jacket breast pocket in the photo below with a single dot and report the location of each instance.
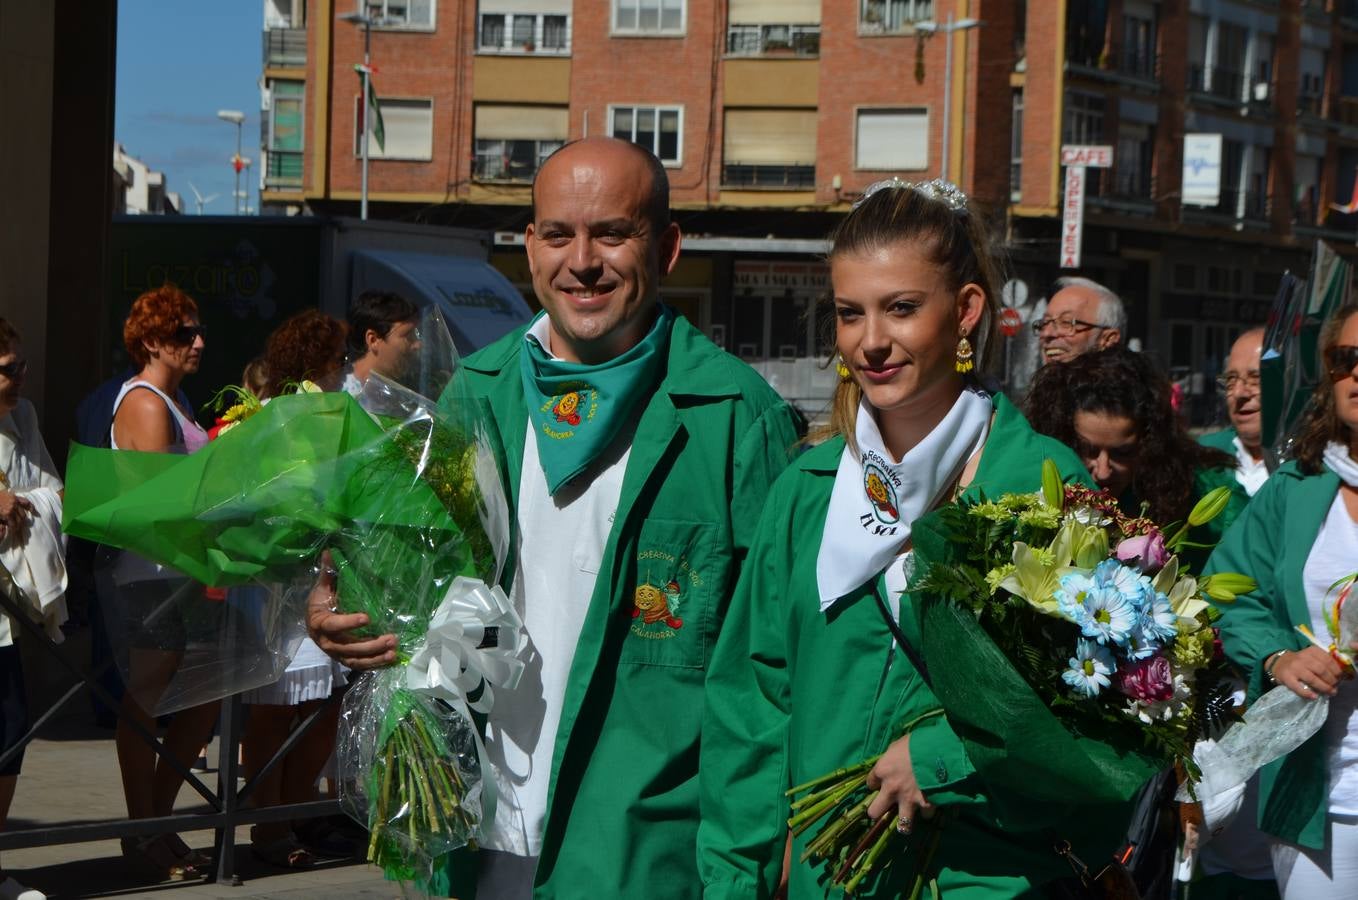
(678, 567)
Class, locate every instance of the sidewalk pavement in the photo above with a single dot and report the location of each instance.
(70, 775)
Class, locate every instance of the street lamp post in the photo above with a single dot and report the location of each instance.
(947, 29)
(356, 18)
(238, 118)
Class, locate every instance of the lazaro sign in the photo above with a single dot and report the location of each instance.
(1076, 158)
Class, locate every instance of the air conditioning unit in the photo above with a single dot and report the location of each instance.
(1260, 91)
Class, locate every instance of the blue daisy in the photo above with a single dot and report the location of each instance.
(1097, 606)
(1090, 668)
(1159, 620)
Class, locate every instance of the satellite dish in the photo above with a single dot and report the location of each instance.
(1015, 293)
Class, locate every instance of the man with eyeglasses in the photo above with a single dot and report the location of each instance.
(1082, 316)
(1236, 860)
(1244, 439)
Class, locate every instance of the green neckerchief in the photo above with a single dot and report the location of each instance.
(577, 409)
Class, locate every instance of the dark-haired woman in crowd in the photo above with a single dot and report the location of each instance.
(1113, 408)
(806, 676)
(159, 607)
(307, 348)
(1297, 538)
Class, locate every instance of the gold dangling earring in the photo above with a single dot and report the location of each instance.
(964, 356)
(840, 369)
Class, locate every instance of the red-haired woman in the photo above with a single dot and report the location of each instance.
(308, 347)
(164, 338)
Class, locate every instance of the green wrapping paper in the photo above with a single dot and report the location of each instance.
(1011, 736)
(405, 504)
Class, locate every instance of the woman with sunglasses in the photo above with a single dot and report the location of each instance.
(1297, 538)
(158, 606)
(31, 550)
(808, 675)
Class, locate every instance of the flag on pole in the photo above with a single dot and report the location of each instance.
(379, 133)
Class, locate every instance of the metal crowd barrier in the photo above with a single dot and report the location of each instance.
(227, 803)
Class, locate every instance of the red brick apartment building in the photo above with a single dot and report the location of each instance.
(773, 115)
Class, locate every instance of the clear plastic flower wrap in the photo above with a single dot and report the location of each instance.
(401, 496)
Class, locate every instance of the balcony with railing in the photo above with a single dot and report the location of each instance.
(794, 177)
(773, 40)
(285, 47)
(283, 170)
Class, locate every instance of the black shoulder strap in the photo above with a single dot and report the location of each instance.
(910, 652)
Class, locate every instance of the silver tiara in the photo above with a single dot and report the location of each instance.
(945, 192)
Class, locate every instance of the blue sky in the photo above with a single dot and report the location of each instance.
(179, 61)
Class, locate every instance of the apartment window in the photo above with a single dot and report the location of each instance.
(1256, 191)
(1261, 80)
(1198, 27)
(1138, 45)
(769, 148)
(399, 13)
(1306, 184)
(1016, 148)
(284, 162)
(1132, 175)
(408, 126)
(511, 142)
(893, 139)
(1312, 80)
(523, 33)
(648, 16)
(654, 127)
(756, 40)
(1083, 122)
(893, 15)
(1227, 76)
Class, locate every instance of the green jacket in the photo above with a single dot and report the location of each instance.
(623, 801)
(794, 693)
(1223, 440)
(1270, 543)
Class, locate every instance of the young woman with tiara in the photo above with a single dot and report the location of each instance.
(807, 676)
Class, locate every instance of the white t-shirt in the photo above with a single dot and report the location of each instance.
(1333, 556)
(561, 543)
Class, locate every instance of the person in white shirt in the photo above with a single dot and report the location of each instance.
(32, 552)
(384, 337)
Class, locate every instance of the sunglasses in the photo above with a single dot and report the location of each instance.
(1340, 360)
(185, 334)
(16, 369)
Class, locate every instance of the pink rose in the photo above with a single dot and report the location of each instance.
(1145, 551)
(1146, 679)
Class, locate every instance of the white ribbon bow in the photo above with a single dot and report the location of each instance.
(451, 663)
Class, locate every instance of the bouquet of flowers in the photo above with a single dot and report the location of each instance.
(1069, 649)
(401, 496)
(1280, 721)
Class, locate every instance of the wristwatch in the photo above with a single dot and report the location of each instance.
(1271, 663)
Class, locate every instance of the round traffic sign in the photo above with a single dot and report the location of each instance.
(1010, 321)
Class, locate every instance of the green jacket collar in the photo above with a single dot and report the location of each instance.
(1313, 495)
(689, 372)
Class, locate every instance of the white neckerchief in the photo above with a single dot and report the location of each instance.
(863, 534)
(1338, 459)
(1250, 472)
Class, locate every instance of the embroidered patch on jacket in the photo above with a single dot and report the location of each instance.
(653, 606)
